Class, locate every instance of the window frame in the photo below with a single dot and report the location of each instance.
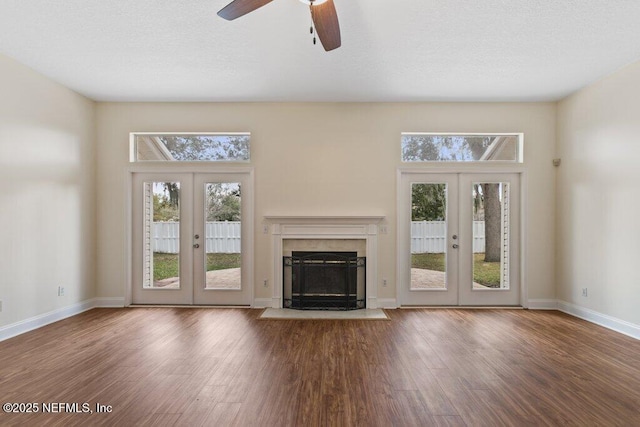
(519, 148)
(133, 151)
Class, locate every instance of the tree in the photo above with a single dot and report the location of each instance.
(421, 148)
(491, 204)
(223, 202)
(164, 209)
(428, 202)
(207, 147)
(488, 207)
(173, 189)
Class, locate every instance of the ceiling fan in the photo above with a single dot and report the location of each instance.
(323, 15)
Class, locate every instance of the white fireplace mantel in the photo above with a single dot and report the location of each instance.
(360, 227)
(324, 218)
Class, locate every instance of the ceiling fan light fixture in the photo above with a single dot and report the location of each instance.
(315, 2)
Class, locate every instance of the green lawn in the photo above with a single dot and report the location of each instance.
(485, 273)
(166, 265)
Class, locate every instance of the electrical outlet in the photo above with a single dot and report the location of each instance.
(265, 229)
(584, 292)
(265, 283)
(60, 291)
(384, 283)
(383, 229)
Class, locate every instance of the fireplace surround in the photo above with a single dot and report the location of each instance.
(322, 234)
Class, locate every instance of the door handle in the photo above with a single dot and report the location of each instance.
(196, 246)
(454, 246)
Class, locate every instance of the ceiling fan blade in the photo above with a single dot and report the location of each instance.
(325, 19)
(237, 8)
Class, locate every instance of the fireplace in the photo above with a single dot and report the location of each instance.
(320, 235)
(324, 280)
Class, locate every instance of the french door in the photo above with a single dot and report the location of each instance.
(190, 241)
(459, 240)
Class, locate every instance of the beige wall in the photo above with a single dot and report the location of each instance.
(326, 159)
(47, 217)
(599, 198)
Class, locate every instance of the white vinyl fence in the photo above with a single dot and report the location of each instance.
(430, 236)
(220, 237)
(224, 237)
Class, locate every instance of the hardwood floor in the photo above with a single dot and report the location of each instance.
(219, 367)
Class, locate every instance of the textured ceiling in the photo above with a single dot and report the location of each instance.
(392, 50)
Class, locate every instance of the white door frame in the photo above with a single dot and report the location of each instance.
(403, 234)
(248, 210)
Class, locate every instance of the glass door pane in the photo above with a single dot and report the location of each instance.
(428, 236)
(161, 235)
(490, 235)
(223, 242)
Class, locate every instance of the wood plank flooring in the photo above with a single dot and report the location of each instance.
(226, 367)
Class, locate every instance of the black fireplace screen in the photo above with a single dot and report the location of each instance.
(324, 280)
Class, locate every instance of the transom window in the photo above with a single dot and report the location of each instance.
(189, 147)
(431, 147)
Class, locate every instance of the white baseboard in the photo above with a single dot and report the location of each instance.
(542, 304)
(26, 325)
(262, 303)
(387, 303)
(109, 302)
(604, 320)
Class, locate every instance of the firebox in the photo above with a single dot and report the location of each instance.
(324, 280)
